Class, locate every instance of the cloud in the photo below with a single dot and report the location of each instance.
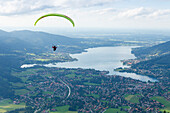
(142, 12)
(160, 13)
(104, 11)
(86, 13)
(15, 7)
(88, 3)
(135, 12)
(18, 7)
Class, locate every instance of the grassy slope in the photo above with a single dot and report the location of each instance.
(132, 98)
(162, 100)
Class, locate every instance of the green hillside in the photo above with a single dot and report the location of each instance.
(154, 51)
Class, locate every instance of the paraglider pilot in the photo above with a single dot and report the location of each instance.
(54, 48)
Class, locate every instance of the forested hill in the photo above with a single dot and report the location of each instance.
(158, 64)
(156, 50)
(7, 64)
(14, 45)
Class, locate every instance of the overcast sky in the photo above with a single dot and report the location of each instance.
(117, 14)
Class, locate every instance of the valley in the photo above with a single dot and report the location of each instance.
(56, 90)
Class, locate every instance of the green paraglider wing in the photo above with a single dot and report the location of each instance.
(60, 15)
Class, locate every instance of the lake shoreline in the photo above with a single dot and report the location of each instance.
(127, 70)
(103, 59)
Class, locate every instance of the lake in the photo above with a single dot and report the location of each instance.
(102, 58)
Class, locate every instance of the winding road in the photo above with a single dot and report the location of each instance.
(69, 89)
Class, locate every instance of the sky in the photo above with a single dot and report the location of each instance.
(116, 14)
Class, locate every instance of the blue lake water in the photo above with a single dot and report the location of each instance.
(103, 58)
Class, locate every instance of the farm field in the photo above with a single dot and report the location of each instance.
(63, 109)
(7, 105)
(132, 98)
(163, 101)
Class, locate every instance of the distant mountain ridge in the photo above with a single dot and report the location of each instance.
(37, 41)
(43, 38)
(34, 40)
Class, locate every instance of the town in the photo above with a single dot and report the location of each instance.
(87, 91)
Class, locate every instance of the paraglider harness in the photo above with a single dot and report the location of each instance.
(54, 48)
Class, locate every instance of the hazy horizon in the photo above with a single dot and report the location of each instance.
(90, 31)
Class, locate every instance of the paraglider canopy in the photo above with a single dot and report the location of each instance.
(54, 14)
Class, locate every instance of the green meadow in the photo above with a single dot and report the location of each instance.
(7, 105)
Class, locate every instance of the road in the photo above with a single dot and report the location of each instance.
(69, 89)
